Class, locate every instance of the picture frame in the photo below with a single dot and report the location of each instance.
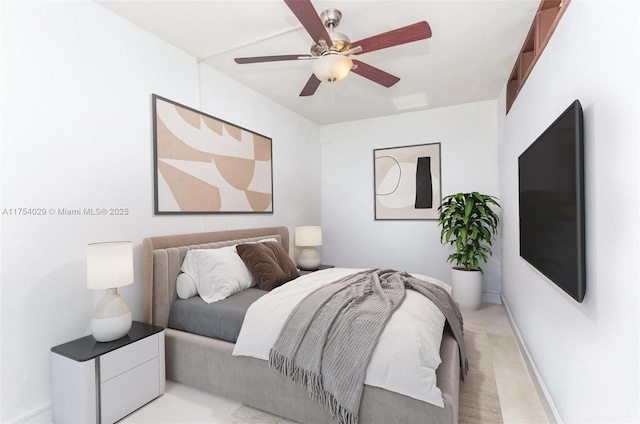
(407, 184)
(205, 165)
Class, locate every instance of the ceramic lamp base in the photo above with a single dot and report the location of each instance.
(110, 329)
(309, 259)
(112, 318)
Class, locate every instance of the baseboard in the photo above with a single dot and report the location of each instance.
(41, 416)
(491, 297)
(544, 395)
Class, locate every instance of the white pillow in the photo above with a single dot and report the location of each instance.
(217, 273)
(185, 286)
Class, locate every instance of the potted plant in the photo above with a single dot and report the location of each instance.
(469, 224)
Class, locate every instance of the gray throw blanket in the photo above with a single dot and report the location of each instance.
(328, 339)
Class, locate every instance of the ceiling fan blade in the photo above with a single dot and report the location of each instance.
(308, 17)
(260, 59)
(374, 74)
(311, 86)
(408, 34)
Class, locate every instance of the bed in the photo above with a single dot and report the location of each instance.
(208, 364)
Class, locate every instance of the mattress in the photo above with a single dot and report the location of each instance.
(220, 320)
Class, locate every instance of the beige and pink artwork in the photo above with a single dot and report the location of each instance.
(206, 165)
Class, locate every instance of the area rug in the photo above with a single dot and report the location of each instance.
(479, 402)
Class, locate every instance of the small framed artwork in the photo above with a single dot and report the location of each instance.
(407, 182)
(204, 165)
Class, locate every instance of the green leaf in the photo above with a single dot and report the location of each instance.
(468, 224)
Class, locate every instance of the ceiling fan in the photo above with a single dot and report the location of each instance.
(331, 50)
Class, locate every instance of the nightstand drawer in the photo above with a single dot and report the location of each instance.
(129, 391)
(119, 361)
(101, 383)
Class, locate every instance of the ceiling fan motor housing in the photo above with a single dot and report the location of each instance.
(331, 19)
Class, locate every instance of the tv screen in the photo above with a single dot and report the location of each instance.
(551, 188)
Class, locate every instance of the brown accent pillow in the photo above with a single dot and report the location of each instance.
(269, 263)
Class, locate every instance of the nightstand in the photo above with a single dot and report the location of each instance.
(320, 267)
(95, 382)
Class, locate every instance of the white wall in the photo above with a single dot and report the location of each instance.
(352, 238)
(586, 354)
(77, 133)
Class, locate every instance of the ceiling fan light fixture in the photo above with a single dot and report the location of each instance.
(332, 67)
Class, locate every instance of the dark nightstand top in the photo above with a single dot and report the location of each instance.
(86, 348)
(320, 267)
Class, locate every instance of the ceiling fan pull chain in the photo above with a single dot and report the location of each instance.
(332, 84)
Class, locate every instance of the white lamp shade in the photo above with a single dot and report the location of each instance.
(332, 67)
(109, 265)
(308, 235)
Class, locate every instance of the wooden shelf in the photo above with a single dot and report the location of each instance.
(526, 63)
(544, 23)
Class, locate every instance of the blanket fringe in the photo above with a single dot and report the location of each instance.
(332, 405)
(287, 367)
(313, 382)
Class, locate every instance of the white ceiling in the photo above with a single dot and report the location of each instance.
(468, 58)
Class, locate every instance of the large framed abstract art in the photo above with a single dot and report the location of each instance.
(203, 164)
(407, 182)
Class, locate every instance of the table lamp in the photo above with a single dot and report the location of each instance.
(307, 237)
(109, 266)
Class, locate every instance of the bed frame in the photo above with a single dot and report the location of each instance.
(208, 364)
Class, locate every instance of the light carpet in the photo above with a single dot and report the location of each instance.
(479, 402)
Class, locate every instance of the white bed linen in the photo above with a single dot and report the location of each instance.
(408, 351)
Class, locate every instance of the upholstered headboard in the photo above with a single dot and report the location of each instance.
(162, 257)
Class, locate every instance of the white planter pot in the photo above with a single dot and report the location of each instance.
(467, 288)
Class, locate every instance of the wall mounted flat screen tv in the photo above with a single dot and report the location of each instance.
(552, 212)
